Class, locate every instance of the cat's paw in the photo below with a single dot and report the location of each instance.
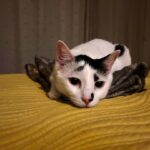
(53, 95)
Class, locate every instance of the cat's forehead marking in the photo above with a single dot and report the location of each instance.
(96, 64)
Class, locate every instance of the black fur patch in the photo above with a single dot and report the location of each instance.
(96, 78)
(121, 48)
(96, 64)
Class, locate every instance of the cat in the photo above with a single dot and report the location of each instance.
(84, 73)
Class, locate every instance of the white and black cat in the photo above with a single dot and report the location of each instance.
(84, 73)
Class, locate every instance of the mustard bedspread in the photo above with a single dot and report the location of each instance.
(31, 121)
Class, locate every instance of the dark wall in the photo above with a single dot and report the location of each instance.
(31, 27)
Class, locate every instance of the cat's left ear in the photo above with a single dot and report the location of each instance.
(109, 60)
(63, 54)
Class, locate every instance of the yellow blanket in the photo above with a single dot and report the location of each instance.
(30, 120)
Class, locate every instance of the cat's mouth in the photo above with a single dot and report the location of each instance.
(80, 103)
(76, 102)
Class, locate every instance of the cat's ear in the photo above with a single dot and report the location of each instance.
(63, 54)
(109, 60)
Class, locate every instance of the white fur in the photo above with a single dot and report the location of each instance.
(99, 48)
(95, 49)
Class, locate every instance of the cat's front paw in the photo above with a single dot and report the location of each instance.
(53, 95)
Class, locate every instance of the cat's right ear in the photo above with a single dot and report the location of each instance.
(63, 54)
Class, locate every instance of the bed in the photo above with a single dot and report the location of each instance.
(30, 120)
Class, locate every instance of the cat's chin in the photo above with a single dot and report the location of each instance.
(92, 104)
(78, 104)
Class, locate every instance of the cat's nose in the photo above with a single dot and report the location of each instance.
(87, 100)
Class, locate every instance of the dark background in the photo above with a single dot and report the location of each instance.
(32, 27)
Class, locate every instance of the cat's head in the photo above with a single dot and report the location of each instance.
(80, 78)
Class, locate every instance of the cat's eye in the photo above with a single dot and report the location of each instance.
(99, 84)
(74, 81)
